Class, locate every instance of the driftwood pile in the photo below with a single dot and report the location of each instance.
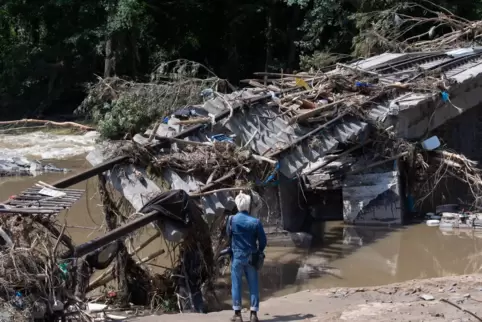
(41, 278)
(33, 277)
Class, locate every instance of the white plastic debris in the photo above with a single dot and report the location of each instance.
(96, 307)
(116, 317)
(433, 223)
(427, 297)
(52, 193)
(431, 143)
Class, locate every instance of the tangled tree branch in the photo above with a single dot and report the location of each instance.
(121, 106)
(403, 28)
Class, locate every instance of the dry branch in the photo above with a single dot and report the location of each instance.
(311, 113)
(47, 122)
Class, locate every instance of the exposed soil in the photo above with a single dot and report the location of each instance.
(395, 302)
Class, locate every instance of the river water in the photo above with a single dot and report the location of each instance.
(348, 256)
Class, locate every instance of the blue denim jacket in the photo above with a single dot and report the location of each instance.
(247, 235)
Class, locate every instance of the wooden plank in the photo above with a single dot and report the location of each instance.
(28, 211)
(33, 194)
(28, 197)
(67, 195)
(70, 200)
(74, 191)
(33, 198)
(39, 204)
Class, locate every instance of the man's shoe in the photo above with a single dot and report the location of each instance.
(237, 318)
(254, 318)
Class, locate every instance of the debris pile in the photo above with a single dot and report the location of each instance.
(44, 276)
(31, 269)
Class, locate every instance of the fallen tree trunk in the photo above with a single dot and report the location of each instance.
(47, 122)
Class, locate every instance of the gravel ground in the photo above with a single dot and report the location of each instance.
(418, 300)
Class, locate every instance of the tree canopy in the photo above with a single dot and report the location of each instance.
(51, 49)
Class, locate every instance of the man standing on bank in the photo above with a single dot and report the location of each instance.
(247, 242)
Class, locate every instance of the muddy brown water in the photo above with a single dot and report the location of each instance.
(348, 256)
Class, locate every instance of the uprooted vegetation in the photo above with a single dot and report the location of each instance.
(121, 107)
(400, 29)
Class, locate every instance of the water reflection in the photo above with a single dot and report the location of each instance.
(360, 256)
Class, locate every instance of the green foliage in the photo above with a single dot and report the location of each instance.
(123, 116)
(120, 107)
(50, 49)
(327, 26)
(319, 60)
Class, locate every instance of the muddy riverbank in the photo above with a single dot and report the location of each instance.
(417, 300)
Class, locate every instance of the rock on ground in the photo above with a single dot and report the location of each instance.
(418, 300)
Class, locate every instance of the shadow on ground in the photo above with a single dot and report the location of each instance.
(292, 317)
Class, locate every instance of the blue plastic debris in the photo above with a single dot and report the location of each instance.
(363, 84)
(18, 301)
(222, 138)
(270, 180)
(188, 111)
(445, 96)
(165, 120)
(273, 174)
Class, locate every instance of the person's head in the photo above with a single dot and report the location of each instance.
(243, 202)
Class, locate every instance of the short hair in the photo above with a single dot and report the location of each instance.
(243, 202)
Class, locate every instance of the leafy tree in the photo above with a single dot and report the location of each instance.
(50, 49)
